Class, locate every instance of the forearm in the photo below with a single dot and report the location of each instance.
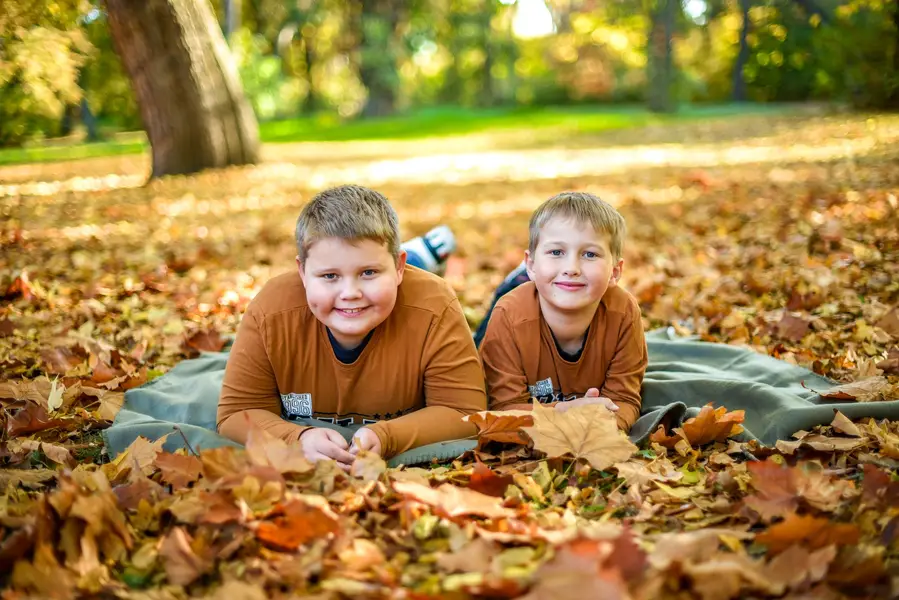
(238, 425)
(627, 415)
(426, 426)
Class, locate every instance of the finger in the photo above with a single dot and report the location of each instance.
(563, 406)
(336, 438)
(338, 454)
(592, 393)
(610, 405)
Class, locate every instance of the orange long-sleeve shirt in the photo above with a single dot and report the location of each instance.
(521, 359)
(416, 378)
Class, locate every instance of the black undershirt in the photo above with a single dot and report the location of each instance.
(348, 356)
(575, 356)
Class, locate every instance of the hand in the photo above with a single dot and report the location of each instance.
(365, 439)
(326, 444)
(591, 397)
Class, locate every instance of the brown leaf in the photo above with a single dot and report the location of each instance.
(368, 466)
(297, 523)
(503, 426)
(474, 557)
(7, 327)
(890, 323)
(589, 432)
(842, 424)
(776, 490)
(637, 473)
(182, 564)
(796, 567)
(141, 453)
(811, 532)
(265, 450)
(453, 501)
(486, 481)
(890, 365)
(58, 454)
(710, 425)
(178, 470)
(361, 556)
(792, 328)
(29, 478)
(870, 389)
(878, 488)
(59, 360)
(30, 419)
(206, 341)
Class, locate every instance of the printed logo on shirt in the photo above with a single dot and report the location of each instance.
(296, 405)
(545, 393)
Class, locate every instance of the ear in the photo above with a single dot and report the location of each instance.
(616, 273)
(400, 266)
(301, 270)
(529, 264)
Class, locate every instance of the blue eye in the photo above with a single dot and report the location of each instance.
(329, 276)
(555, 253)
(589, 254)
(369, 273)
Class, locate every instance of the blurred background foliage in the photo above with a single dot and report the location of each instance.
(338, 60)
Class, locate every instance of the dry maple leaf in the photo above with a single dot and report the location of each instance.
(589, 432)
(30, 419)
(879, 489)
(796, 567)
(182, 565)
(265, 450)
(141, 453)
(368, 466)
(504, 426)
(178, 470)
(792, 328)
(870, 389)
(890, 323)
(475, 557)
(811, 532)
(486, 481)
(296, 523)
(776, 493)
(842, 424)
(453, 501)
(710, 425)
(637, 473)
(205, 341)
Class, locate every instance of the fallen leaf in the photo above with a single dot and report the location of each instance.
(636, 473)
(474, 557)
(29, 478)
(796, 567)
(811, 532)
(504, 427)
(486, 481)
(453, 501)
(589, 432)
(181, 563)
(206, 341)
(368, 466)
(361, 555)
(776, 493)
(178, 470)
(54, 400)
(870, 389)
(890, 323)
(842, 424)
(710, 425)
(792, 328)
(30, 419)
(264, 449)
(295, 524)
(878, 488)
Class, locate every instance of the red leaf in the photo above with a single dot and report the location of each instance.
(811, 532)
(30, 419)
(179, 470)
(486, 481)
(299, 523)
(205, 341)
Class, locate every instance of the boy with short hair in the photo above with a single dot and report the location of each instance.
(570, 336)
(355, 336)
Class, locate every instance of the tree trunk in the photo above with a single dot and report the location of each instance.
(232, 18)
(90, 121)
(893, 99)
(661, 60)
(310, 101)
(739, 89)
(487, 95)
(186, 84)
(377, 60)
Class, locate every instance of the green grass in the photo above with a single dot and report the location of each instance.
(423, 123)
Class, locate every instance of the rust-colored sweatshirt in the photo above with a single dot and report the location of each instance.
(522, 360)
(418, 375)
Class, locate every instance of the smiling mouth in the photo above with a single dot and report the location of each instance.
(568, 285)
(351, 312)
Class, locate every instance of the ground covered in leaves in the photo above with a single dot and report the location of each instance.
(778, 233)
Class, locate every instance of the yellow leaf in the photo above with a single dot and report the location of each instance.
(589, 432)
(54, 400)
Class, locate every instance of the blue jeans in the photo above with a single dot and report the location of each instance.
(514, 279)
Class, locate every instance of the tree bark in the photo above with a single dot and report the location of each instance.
(739, 89)
(190, 97)
(661, 59)
(377, 61)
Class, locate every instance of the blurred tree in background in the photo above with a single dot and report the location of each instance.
(336, 59)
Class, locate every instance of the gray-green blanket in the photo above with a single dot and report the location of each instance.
(683, 375)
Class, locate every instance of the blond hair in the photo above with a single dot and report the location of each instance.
(582, 208)
(349, 212)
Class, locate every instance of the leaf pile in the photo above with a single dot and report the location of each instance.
(786, 242)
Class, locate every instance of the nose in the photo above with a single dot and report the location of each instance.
(572, 266)
(351, 289)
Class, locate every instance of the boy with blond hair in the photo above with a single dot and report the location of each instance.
(354, 337)
(570, 336)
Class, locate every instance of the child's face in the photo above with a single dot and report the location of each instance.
(351, 287)
(572, 265)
